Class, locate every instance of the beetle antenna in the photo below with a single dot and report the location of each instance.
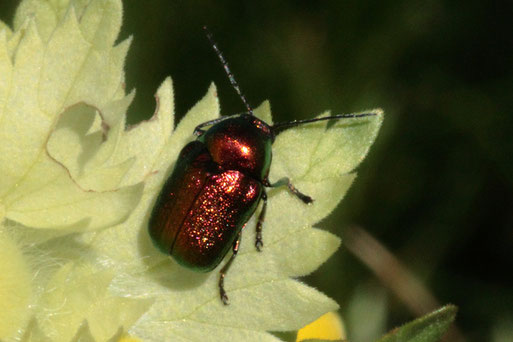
(227, 69)
(284, 125)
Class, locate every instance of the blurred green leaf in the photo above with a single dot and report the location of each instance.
(429, 328)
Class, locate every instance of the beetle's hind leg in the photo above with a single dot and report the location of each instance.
(259, 242)
(285, 181)
(222, 272)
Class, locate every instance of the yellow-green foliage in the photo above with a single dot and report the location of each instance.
(76, 189)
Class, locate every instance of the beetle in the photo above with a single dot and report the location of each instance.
(216, 186)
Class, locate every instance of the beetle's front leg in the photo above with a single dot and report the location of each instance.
(222, 272)
(286, 181)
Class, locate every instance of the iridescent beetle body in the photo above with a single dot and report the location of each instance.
(216, 186)
(213, 191)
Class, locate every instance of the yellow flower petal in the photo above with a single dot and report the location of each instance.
(327, 327)
(128, 338)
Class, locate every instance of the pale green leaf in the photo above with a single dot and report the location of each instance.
(187, 331)
(100, 22)
(332, 151)
(57, 78)
(5, 68)
(78, 147)
(101, 78)
(62, 117)
(61, 203)
(83, 334)
(326, 193)
(55, 173)
(34, 334)
(147, 139)
(21, 120)
(45, 14)
(80, 294)
(281, 253)
(5, 29)
(318, 161)
(205, 110)
(112, 126)
(14, 40)
(263, 112)
(289, 301)
(279, 305)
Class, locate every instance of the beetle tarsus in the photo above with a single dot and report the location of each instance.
(222, 272)
(222, 292)
(305, 198)
(258, 242)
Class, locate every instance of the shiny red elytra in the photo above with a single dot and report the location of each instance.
(216, 185)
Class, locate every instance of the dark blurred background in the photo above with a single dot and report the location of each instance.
(436, 188)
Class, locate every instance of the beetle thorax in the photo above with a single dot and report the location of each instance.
(241, 143)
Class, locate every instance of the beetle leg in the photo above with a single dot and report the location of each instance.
(259, 243)
(285, 181)
(225, 268)
(198, 130)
